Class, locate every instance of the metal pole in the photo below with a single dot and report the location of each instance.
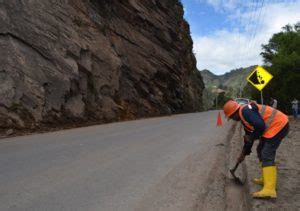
(261, 97)
(217, 101)
(241, 90)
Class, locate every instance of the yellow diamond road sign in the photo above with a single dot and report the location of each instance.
(259, 77)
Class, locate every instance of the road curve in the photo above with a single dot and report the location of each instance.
(150, 164)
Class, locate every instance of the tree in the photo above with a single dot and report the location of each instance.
(282, 58)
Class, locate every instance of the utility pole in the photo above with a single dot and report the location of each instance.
(217, 100)
(241, 90)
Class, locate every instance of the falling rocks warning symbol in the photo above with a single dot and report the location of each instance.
(256, 78)
(259, 77)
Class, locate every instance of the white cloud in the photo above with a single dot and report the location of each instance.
(225, 50)
(222, 5)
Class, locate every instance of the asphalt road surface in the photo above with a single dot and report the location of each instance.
(151, 164)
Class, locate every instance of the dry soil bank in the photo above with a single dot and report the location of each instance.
(288, 164)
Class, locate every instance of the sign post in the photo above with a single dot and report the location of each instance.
(259, 78)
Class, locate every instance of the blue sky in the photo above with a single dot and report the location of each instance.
(203, 18)
(228, 34)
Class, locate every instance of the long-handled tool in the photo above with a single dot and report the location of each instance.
(236, 179)
(232, 171)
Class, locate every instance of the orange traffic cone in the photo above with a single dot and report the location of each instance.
(219, 119)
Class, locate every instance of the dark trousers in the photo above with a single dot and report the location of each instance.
(295, 113)
(266, 149)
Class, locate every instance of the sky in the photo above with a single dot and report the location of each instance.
(228, 34)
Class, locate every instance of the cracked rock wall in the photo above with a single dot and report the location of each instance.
(67, 61)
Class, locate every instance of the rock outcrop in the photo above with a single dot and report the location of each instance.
(89, 60)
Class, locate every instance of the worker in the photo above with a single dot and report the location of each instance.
(267, 125)
(295, 108)
(273, 102)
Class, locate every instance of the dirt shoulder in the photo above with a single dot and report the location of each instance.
(197, 183)
(203, 181)
(288, 164)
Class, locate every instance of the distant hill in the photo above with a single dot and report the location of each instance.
(210, 79)
(233, 83)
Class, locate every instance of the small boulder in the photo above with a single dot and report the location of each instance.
(9, 132)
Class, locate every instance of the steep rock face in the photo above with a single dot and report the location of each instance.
(66, 60)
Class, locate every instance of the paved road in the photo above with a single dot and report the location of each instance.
(137, 165)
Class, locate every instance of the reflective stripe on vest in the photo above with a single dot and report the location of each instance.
(247, 126)
(263, 109)
(271, 118)
(274, 120)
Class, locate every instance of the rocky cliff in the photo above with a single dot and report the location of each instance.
(89, 60)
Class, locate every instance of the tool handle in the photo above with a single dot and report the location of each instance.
(237, 163)
(235, 167)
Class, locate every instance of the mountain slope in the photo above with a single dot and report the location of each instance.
(233, 83)
(234, 78)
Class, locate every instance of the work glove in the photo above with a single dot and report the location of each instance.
(248, 143)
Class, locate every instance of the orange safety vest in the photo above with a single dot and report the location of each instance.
(274, 120)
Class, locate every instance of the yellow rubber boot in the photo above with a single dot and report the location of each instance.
(270, 179)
